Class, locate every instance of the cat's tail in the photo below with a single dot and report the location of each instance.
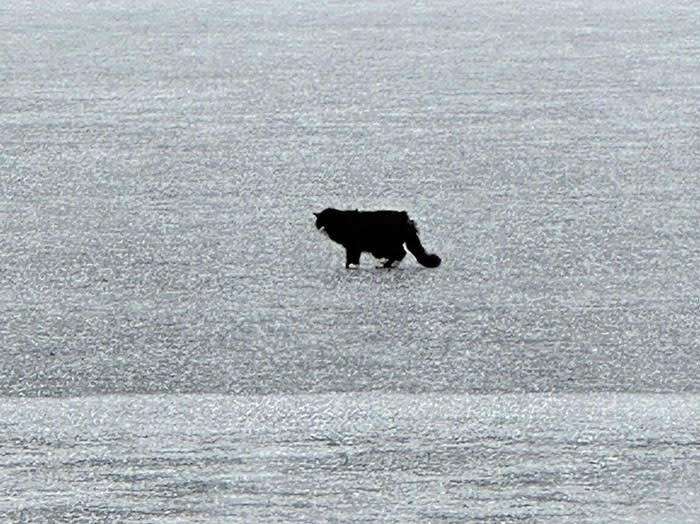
(414, 246)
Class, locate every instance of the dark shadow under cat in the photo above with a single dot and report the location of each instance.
(381, 233)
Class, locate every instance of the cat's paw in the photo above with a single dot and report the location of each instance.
(389, 264)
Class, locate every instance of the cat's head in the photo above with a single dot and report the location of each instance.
(327, 219)
(320, 220)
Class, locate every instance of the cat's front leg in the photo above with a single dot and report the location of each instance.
(352, 258)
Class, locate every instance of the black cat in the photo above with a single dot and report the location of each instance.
(382, 233)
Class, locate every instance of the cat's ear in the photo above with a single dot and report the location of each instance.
(316, 214)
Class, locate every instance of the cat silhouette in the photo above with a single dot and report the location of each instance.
(382, 233)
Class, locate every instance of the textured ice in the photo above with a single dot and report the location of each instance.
(160, 165)
(351, 458)
(160, 271)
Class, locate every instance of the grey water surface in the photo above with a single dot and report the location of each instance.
(179, 343)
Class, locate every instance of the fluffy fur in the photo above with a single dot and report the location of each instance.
(382, 233)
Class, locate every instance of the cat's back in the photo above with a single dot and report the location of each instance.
(378, 225)
(384, 216)
(382, 223)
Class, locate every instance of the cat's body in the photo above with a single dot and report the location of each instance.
(381, 233)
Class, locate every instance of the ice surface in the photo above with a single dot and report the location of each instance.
(351, 458)
(160, 161)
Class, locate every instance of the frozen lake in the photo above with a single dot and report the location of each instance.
(172, 324)
(354, 457)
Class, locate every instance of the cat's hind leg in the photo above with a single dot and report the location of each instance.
(395, 257)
